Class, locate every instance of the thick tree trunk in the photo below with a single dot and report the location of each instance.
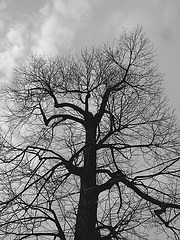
(87, 209)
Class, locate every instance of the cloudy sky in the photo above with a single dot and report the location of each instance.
(58, 26)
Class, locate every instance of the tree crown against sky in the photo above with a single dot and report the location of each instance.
(92, 151)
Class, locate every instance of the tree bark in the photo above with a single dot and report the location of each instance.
(87, 209)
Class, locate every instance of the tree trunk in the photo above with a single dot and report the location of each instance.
(87, 209)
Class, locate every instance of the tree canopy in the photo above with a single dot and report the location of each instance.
(92, 150)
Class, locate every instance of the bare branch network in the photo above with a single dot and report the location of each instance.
(92, 150)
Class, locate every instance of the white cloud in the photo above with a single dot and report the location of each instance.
(12, 49)
(14, 36)
(72, 9)
(52, 29)
(60, 20)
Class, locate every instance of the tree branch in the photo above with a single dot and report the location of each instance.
(64, 117)
(119, 176)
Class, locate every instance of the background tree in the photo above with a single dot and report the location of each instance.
(92, 151)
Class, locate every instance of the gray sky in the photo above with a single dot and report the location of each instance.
(57, 26)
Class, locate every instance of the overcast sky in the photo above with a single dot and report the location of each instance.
(58, 26)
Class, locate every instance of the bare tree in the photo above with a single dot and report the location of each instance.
(92, 150)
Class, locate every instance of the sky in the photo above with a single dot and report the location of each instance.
(52, 27)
